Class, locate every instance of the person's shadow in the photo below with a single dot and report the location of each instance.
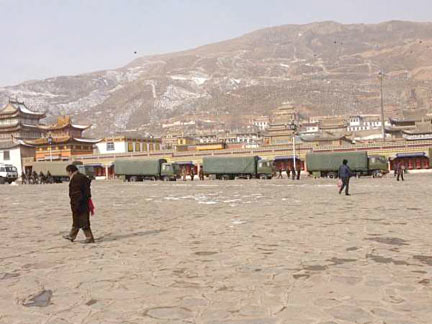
(114, 237)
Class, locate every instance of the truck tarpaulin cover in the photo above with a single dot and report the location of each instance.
(56, 168)
(230, 165)
(357, 161)
(138, 167)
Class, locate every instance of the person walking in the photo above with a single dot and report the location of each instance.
(344, 174)
(35, 178)
(192, 174)
(400, 171)
(49, 177)
(280, 174)
(41, 177)
(293, 173)
(79, 194)
(23, 178)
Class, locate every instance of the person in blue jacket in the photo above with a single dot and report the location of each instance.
(344, 174)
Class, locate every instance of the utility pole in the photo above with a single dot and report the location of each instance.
(381, 77)
(50, 140)
(293, 127)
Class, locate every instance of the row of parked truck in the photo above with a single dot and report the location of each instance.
(248, 167)
(224, 168)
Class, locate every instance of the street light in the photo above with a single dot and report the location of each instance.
(50, 139)
(381, 77)
(293, 127)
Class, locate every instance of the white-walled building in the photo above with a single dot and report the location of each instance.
(363, 122)
(310, 128)
(261, 123)
(128, 144)
(14, 153)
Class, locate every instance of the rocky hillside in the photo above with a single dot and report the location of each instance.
(323, 68)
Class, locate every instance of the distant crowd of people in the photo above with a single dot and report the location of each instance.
(295, 175)
(35, 178)
(184, 174)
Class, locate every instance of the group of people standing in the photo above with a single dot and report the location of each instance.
(191, 173)
(290, 173)
(35, 178)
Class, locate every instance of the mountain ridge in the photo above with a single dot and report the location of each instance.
(322, 68)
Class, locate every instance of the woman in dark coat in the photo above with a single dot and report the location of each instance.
(80, 194)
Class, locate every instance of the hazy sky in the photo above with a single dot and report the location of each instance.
(43, 38)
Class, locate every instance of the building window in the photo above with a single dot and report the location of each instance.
(144, 147)
(137, 147)
(150, 147)
(110, 146)
(6, 155)
(130, 147)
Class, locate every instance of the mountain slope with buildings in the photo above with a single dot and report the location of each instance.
(321, 68)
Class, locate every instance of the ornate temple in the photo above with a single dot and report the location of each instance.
(62, 140)
(280, 130)
(17, 122)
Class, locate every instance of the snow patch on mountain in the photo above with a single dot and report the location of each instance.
(173, 97)
(198, 80)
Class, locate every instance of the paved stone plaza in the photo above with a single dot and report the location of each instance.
(260, 252)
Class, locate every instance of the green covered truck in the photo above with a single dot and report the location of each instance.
(326, 164)
(140, 169)
(57, 169)
(229, 168)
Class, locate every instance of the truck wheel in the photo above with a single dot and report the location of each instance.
(165, 178)
(332, 175)
(248, 177)
(132, 179)
(225, 177)
(262, 176)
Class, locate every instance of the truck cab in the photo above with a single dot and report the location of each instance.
(378, 165)
(87, 170)
(265, 169)
(170, 171)
(8, 173)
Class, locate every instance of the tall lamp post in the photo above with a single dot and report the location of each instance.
(293, 127)
(50, 139)
(381, 77)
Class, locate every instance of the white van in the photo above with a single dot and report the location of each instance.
(8, 173)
